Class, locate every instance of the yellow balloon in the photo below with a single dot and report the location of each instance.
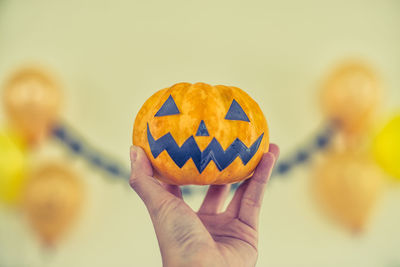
(32, 98)
(52, 199)
(351, 94)
(12, 167)
(346, 186)
(386, 147)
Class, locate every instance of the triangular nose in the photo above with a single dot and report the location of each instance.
(202, 130)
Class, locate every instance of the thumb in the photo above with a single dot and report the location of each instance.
(139, 163)
(148, 188)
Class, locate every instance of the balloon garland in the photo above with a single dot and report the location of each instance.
(350, 96)
(74, 143)
(320, 142)
(51, 195)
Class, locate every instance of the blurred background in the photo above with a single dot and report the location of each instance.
(73, 76)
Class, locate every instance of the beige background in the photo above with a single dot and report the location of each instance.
(113, 55)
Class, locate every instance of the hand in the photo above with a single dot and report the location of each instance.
(208, 237)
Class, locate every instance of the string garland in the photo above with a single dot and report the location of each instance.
(77, 145)
(74, 142)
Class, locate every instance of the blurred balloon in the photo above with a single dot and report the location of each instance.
(12, 167)
(32, 99)
(351, 95)
(346, 186)
(386, 147)
(53, 197)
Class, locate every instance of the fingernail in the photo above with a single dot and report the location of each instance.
(133, 154)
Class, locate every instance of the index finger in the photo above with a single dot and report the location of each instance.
(148, 188)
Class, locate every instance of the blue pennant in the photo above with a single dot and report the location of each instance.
(168, 108)
(202, 130)
(213, 152)
(236, 113)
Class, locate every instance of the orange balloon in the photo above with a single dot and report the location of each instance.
(346, 186)
(52, 199)
(350, 95)
(32, 99)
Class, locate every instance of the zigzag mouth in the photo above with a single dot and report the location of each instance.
(213, 152)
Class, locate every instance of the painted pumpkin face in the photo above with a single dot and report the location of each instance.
(201, 134)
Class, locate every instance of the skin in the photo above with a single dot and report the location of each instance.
(210, 236)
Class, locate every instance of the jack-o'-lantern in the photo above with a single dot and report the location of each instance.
(201, 134)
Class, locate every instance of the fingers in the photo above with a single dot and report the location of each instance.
(252, 197)
(139, 162)
(149, 189)
(215, 199)
(234, 205)
(274, 149)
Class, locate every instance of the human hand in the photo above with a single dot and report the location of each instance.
(210, 236)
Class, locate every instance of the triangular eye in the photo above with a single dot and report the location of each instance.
(236, 113)
(168, 108)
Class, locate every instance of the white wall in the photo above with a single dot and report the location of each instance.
(113, 56)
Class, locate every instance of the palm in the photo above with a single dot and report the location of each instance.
(236, 241)
(210, 236)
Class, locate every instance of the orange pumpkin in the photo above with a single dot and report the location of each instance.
(201, 134)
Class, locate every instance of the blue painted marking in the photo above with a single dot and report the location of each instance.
(236, 113)
(202, 130)
(213, 152)
(168, 108)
